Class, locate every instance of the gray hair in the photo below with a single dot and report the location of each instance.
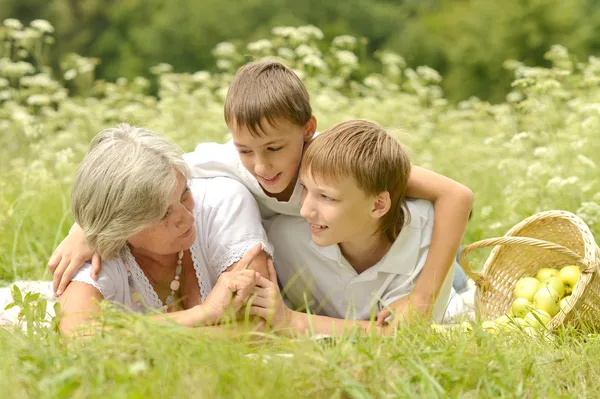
(123, 186)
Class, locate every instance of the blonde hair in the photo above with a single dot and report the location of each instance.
(123, 186)
(365, 152)
(266, 90)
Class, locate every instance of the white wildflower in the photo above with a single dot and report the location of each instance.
(286, 53)
(15, 69)
(260, 46)
(311, 31)
(39, 100)
(284, 31)
(590, 213)
(224, 64)
(346, 57)
(344, 41)
(373, 82)
(70, 74)
(486, 211)
(224, 50)
(314, 61)
(303, 50)
(514, 97)
(540, 152)
(390, 58)
(429, 74)
(161, 69)
(201, 77)
(42, 25)
(12, 23)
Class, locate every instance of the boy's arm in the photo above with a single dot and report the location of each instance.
(452, 203)
(303, 323)
(69, 256)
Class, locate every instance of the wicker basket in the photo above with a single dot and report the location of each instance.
(547, 239)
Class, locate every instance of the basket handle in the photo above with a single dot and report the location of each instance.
(479, 278)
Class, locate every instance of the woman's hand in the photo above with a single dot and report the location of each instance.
(233, 288)
(267, 302)
(68, 257)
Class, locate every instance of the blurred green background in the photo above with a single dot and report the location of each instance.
(466, 41)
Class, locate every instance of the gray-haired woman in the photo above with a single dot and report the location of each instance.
(186, 248)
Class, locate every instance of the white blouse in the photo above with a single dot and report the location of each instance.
(228, 224)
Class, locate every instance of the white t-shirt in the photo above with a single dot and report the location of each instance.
(228, 224)
(214, 159)
(322, 278)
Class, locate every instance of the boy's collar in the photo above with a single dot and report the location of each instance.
(400, 259)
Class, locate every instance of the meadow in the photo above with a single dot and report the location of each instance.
(538, 150)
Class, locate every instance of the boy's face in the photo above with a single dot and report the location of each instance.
(338, 212)
(273, 158)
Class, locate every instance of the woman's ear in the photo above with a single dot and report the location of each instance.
(382, 205)
(310, 128)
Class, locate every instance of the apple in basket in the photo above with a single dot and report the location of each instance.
(537, 318)
(557, 284)
(564, 302)
(547, 299)
(569, 275)
(546, 273)
(526, 288)
(521, 306)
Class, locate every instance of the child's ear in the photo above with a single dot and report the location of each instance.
(310, 128)
(382, 205)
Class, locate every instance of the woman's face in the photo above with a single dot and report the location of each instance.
(176, 231)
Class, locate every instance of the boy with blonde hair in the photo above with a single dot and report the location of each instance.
(269, 116)
(360, 246)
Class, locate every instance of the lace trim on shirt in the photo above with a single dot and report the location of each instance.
(140, 282)
(238, 252)
(84, 277)
(201, 272)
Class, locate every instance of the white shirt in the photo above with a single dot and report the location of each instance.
(228, 224)
(214, 159)
(322, 276)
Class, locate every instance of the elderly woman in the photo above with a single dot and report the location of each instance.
(188, 249)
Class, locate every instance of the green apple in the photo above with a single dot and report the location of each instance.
(569, 275)
(547, 299)
(543, 316)
(520, 307)
(489, 327)
(526, 288)
(515, 324)
(557, 284)
(466, 327)
(502, 320)
(546, 273)
(564, 302)
(521, 322)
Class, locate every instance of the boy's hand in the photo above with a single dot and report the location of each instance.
(405, 310)
(267, 302)
(68, 257)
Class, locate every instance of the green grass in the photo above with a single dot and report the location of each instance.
(137, 358)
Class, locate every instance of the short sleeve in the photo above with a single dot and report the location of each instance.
(421, 224)
(111, 280)
(232, 223)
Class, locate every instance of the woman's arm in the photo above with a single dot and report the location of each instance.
(232, 290)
